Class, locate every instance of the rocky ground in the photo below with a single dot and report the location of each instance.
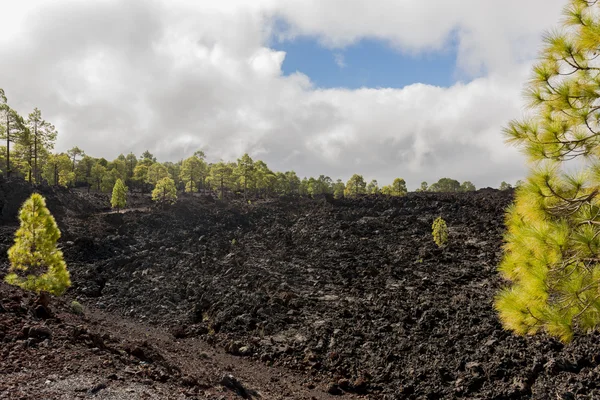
(308, 298)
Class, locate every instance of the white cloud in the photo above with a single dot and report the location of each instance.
(171, 77)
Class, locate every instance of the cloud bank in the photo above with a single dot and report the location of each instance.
(176, 76)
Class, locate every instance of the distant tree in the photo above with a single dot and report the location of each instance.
(44, 135)
(36, 264)
(140, 173)
(303, 189)
(109, 179)
(287, 183)
(423, 187)
(119, 166)
(221, 177)
(147, 156)
(399, 187)
(131, 161)
(373, 187)
(356, 185)
(467, 186)
(445, 185)
(58, 170)
(12, 127)
(245, 171)
(174, 170)
(387, 190)
(119, 195)
(264, 178)
(83, 171)
(165, 191)
(322, 185)
(193, 172)
(338, 189)
(505, 186)
(97, 175)
(156, 172)
(73, 154)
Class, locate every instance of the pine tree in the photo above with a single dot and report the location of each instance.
(43, 135)
(553, 238)
(156, 172)
(58, 170)
(399, 187)
(338, 189)
(220, 177)
(165, 191)
(245, 171)
(36, 264)
(467, 186)
(356, 185)
(119, 195)
(373, 187)
(193, 172)
(13, 127)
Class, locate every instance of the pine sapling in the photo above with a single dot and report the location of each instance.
(119, 195)
(440, 232)
(36, 264)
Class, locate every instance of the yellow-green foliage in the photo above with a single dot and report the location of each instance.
(35, 262)
(551, 255)
(119, 195)
(165, 191)
(440, 232)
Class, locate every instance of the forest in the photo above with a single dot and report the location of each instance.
(27, 153)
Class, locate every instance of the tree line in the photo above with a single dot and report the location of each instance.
(27, 145)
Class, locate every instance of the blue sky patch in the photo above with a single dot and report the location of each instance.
(367, 63)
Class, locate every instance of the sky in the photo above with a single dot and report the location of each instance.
(384, 88)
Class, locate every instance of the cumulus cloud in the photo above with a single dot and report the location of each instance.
(172, 77)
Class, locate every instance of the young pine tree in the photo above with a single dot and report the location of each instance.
(119, 195)
(439, 231)
(35, 262)
(552, 251)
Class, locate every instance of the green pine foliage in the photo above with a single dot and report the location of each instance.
(119, 195)
(36, 264)
(355, 186)
(553, 229)
(165, 191)
(440, 232)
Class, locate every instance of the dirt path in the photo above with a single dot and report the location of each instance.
(206, 363)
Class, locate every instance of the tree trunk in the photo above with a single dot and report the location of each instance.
(7, 146)
(35, 153)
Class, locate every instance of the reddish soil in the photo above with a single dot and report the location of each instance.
(295, 298)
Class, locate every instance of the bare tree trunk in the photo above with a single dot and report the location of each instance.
(35, 153)
(7, 146)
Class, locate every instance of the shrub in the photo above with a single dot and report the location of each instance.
(440, 232)
(76, 308)
(36, 264)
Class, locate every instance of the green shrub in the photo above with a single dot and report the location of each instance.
(440, 232)
(76, 308)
